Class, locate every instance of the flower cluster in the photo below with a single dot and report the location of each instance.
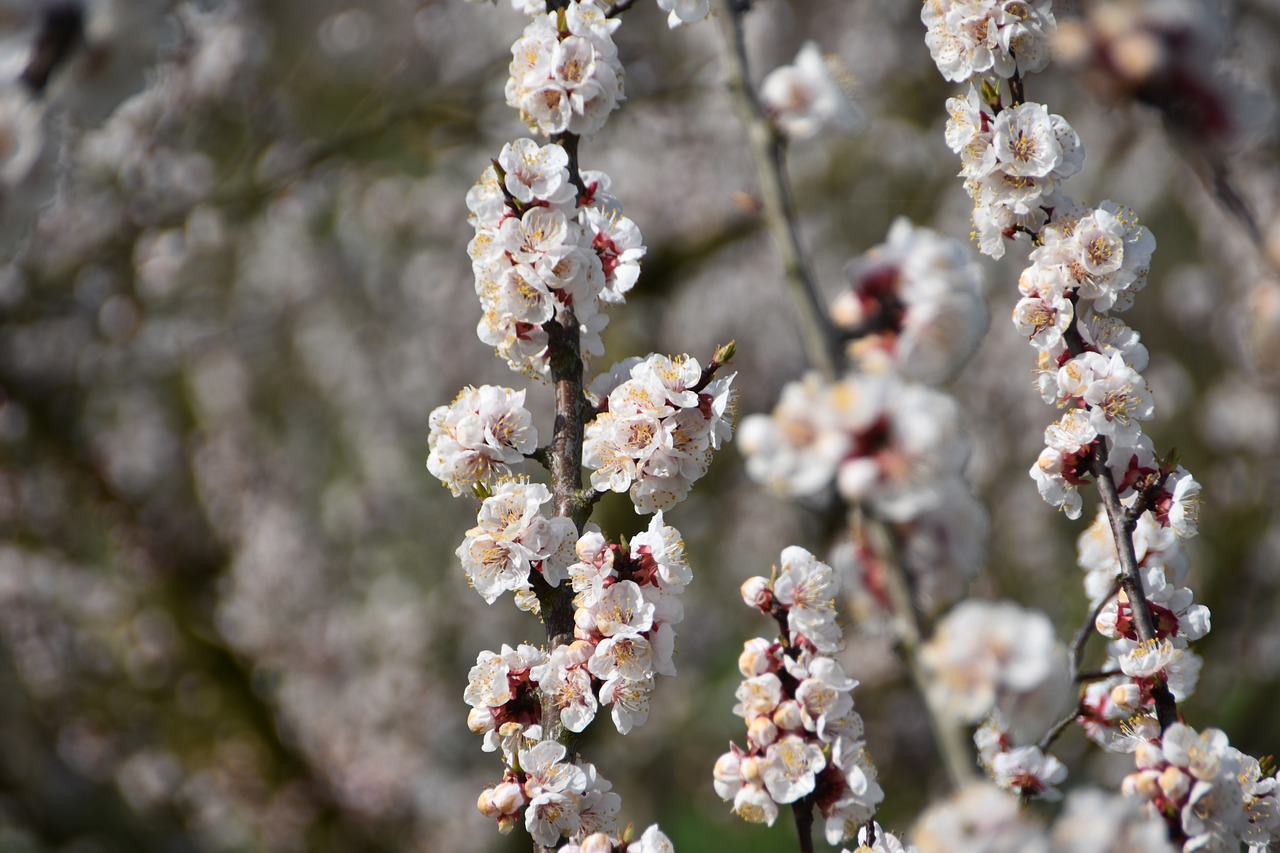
(1003, 38)
(1024, 770)
(981, 819)
(1108, 706)
(512, 538)
(1013, 161)
(626, 606)
(915, 305)
(806, 96)
(986, 656)
(565, 73)
(1215, 796)
(1087, 262)
(479, 438)
(559, 799)
(545, 251)
(803, 735)
(659, 420)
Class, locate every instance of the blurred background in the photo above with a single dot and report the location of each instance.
(231, 618)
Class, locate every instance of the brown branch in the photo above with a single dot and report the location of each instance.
(802, 809)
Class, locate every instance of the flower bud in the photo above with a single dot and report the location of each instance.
(1174, 783)
(480, 720)
(508, 798)
(597, 842)
(755, 658)
(757, 592)
(761, 732)
(750, 771)
(486, 805)
(1127, 696)
(788, 716)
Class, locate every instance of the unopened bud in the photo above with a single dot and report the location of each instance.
(788, 716)
(757, 592)
(480, 720)
(761, 731)
(1126, 696)
(597, 842)
(1174, 783)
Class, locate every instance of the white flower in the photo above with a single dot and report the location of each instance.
(789, 766)
(652, 840)
(628, 701)
(983, 652)
(804, 97)
(482, 436)
(1000, 37)
(916, 304)
(565, 678)
(885, 842)
(807, 588)
(758, 696)
(1026, 770)
(980, 818)
(534, 173)
(684, 12)
(662, 546)
(1096, 821)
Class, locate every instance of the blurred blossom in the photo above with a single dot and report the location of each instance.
(808, 95)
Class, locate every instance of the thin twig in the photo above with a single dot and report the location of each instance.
(1058, 728)
(821, 343)
(909, 630)
(1088, 629)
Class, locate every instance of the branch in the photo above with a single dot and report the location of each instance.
(1130, 580)
(820, 341)
(908, 629)
(803, 811)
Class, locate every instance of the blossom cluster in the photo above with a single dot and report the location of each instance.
(1013, 161)
(1003, 38)
(1218, 796)
(481, 437)
(803, 735)
(559, 799)
(546, 250)
(915, 305)
(565, 73)
(1000, 661)
(806, 96)
(626, 605)
(1085, 263)
(881, 437)
(513, 538)
(659, 419)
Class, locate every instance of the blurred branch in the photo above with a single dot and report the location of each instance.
(766, 146)
(909, 631)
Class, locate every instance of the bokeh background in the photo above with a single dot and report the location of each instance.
(231, 618)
